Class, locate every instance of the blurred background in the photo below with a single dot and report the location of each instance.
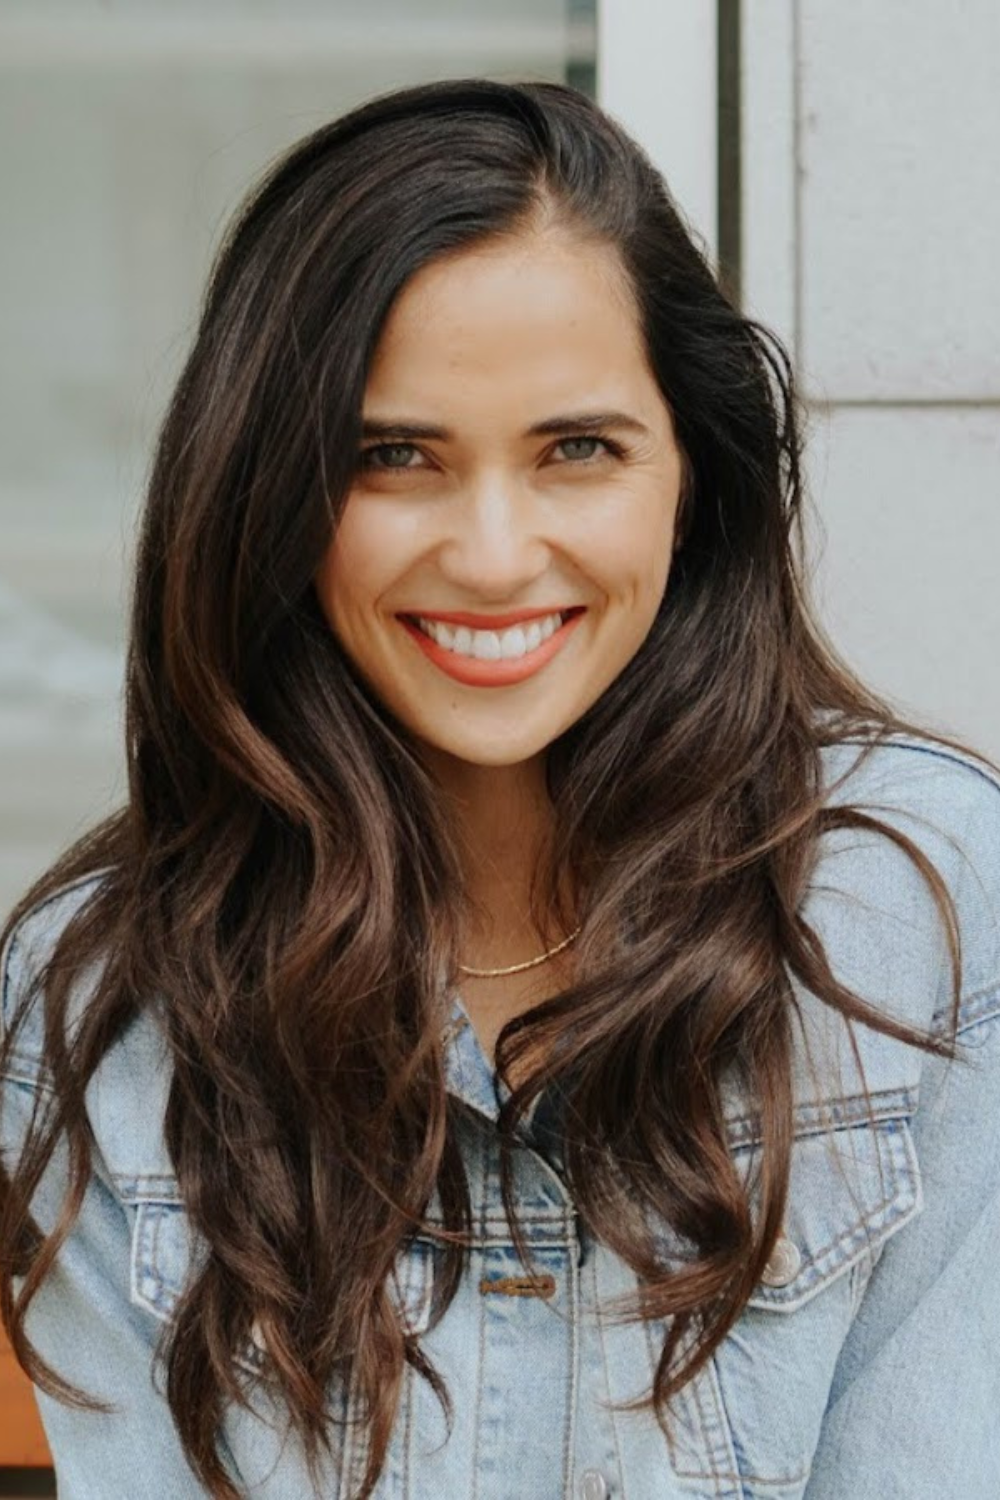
(128, 133)
(839, 163)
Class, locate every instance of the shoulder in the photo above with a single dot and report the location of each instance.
(914, 774)
(871, 910)
(126, 1095)
(30, 945)
(946, 802)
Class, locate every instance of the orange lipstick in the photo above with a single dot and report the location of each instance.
(472, 672)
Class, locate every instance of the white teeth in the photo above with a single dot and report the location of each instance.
(491, 645)
(485, 645)
(513, 644)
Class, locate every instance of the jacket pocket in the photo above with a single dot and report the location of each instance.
(753, 1416)
(166, 1255)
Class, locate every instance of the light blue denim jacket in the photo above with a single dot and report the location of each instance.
(867, 1365)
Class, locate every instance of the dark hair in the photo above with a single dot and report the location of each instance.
(283, 869)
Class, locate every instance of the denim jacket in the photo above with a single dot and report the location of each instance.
(866, 1365)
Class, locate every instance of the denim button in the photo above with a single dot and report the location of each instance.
(593, 1485)
(784, 1264)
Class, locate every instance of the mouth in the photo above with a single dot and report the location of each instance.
(492, 658)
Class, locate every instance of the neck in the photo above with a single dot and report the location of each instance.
(502, 816)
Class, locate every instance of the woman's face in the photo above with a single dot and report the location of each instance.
(519, 459)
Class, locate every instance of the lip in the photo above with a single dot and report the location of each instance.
(491, 622)
(474, 673)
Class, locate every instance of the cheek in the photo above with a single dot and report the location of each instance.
(662, 532)
(327, 585)
(352, 573)
(634, 554)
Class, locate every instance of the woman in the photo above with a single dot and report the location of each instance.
(516, 1040)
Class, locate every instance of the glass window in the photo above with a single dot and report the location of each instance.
(129, 129)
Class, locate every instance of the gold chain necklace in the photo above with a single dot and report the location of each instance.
(531, 963)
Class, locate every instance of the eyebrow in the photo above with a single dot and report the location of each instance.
(404, 428)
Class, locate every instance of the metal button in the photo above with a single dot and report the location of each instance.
(593, 1485)
(784, 1264)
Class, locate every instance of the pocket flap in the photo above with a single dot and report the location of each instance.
(167, 1255)
(849, 1191)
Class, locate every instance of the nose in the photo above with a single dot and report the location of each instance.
(496, 543)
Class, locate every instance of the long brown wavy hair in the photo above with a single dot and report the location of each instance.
(283, 877)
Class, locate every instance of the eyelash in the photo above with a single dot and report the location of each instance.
(613, 450)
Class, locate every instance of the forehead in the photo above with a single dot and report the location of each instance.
(543, 309)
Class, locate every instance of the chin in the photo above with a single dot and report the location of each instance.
(496, 755)
(497, 751)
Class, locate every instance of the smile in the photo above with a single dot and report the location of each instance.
(491, 658)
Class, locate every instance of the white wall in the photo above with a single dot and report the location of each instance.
(656, 70)
(872, 239)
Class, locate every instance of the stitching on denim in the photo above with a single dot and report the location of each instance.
(721, 1399)
(343, 1402)
(721, 1472)
(5, 980)
(558, 1231)
(352, 1442)
(485, 1180)
(893, 1131)
(979, 1013)
(356, 1438)
(686, 1410)
(696, 1387)
(162, 1295)
(787, 1296)
(652, 1354)
(406, 1465)
(23, 1068)
(602, 1341)
(742, 1480)
(156, 1275)
(561, 1218)
(842, 1112)
(148, 1280)
(573, 1334)
(138, 1258)
(757, 1480)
